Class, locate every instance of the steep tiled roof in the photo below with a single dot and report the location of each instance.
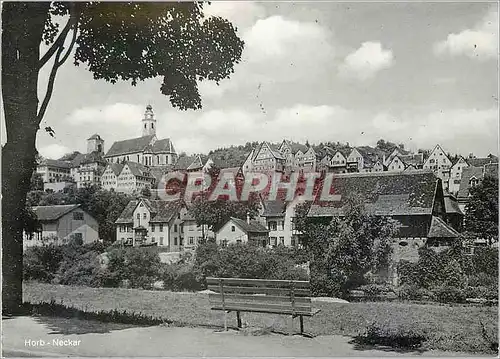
(164, 211)
(129, 146)
(164, 145)
(52, 213)
(95, 136)
(296, 147)
(116, 168)
(158, 171)
(183, 162)
(467, 174)
(138, 169)
(161, 211)
(384, 193)
(93, 157)
(439, 229)
(55, 163)
(479, 162)
(233, 170)
(274, 208)
(451, 204)
(253, 227)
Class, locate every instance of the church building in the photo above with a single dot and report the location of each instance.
(147, 149)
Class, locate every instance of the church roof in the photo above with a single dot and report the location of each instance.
(129, 146)
(164, 145)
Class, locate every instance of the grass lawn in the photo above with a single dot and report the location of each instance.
(451, 328)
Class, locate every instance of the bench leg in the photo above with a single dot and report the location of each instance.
(225, 321)
(238, 317)
(301, 324)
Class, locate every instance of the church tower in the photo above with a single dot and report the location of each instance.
(95, 144)
(149, 122)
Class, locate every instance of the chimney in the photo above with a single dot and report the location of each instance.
(248, 218)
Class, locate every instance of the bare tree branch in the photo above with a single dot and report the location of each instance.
(50, 85)
(57, 44)
(73, 40)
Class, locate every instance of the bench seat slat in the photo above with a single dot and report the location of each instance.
(252, 290)
(216, 298)
(259, 282)
(267, 310)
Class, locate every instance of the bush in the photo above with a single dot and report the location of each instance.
(140, 268)
(41, 263)
(82, 270)
(482, 280)
(402, 337)
(488, 293)
(375, 290)
(180, 276)
(246, 261)
(446, 294)
(412, 292)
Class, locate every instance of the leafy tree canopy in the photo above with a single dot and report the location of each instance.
(481, 212)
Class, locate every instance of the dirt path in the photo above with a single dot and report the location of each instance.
(24, 336)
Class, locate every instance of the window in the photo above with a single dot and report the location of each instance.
(282, 241)
(175, 227)
(152, 227)
(78, 216)
(175, 241)
(282, 225)
(78, 236)
(233, 229)
(153, 240)
(161, 241)
(191, 240)
(144, 215)
(274, 241)
(161, 227)
(181, 241)
(272, 225)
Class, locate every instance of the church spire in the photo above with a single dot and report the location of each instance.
(149, 122)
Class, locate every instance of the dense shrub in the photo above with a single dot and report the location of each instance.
(41, 263)
(375, 290)
(488, 293)
(246, 261)
(413, 292)
(180, 276)
(446, 294)
(82, 270)
(140, 268)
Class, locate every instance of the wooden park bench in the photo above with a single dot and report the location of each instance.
(286, 297)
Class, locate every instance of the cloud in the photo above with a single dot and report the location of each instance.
(480, 42)
(366, 61)
(54, 151)
(118, 113)
(242, 14)
(277, 50)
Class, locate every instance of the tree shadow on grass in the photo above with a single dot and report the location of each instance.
(361, 344)
(400, 344)
(68, 326)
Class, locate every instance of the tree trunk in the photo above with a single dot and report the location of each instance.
(22, 27)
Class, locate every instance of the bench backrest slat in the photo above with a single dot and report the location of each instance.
(217, 298)
(264, 290)
(265, 306)
(259, 283)
(276, 296)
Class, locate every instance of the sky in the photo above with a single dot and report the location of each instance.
(411, 73)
